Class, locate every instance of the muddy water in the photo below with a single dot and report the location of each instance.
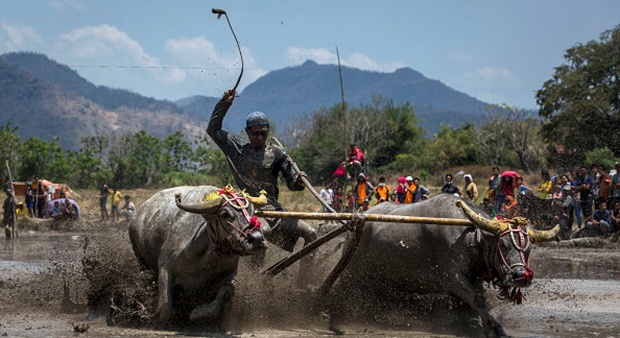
(43, 292)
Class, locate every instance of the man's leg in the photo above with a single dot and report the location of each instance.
(286, 236)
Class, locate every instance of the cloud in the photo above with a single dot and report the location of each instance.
(201, 55)
(15, 37)
(356, 60)
(491, 73)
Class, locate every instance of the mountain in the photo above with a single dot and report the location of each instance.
(287, 93)
(47, 100)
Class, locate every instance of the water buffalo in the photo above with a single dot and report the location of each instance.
(427, 259)
(195, 246)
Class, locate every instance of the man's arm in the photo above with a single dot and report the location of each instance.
(217, 117)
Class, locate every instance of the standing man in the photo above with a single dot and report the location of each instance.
(8, 215)
(584, 187)
(116, 203)
(104, 192)
(409, 190)
(363, 192)
(495, 185)
(256, 166)
(382, 191)
(471, 190)
(615, 185)
(449, 187)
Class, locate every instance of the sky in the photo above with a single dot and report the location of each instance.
(498, 51)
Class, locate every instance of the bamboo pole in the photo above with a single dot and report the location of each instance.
(14, 225)
(369, 217)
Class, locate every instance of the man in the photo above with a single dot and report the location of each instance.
(409, 190)
(116, 203)
(449, 187)
(382, 191)
(421, 193)
(615, 185)
(584, 187)
(8, 215)
(104, 192)
(363, 192)
(256, 166)
(495, 185)
(356, 159)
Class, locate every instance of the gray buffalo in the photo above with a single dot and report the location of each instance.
(437, 259)
(194, 247)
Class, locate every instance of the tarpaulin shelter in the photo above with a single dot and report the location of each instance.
(61, 189)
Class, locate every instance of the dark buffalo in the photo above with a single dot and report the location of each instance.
(427, 259)
(194, 247)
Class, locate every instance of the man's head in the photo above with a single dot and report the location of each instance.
(416, 181)
(257, 129)
(8, 191)
(449, 177)
(382, 179)
(495, 170)
(361, 178)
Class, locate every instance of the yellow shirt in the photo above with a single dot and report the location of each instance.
(382, 192)
(409, 194)
(116, 198)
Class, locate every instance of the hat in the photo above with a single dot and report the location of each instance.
(361, 175)
(467, 176)
(402, 179)
(409, 179)
(8, 190)
(256, 118)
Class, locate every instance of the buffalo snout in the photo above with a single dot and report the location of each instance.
(255, 243)
(520, 277)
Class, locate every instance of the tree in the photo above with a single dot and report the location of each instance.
(10, 143)
(580, 103)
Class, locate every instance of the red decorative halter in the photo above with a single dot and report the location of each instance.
(522, 245)
(240, 202)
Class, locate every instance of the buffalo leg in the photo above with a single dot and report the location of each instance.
(213, 309)
(164, 286)
(461, 288)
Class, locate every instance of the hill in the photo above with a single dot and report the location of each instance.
(46, 99)
(287, 93)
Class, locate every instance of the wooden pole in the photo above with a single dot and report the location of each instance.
(369, 217)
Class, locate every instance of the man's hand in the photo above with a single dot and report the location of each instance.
(229, 96)
(299, 180)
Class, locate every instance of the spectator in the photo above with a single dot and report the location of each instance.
(104, 192)
(327, 195)
(409, 190)
(576, 199)
(21, 210)
(584, 186)
(128, 209)
(350, 201)
(337, 201)
(449, 187)
(545, 188)
(601, 222)
(615, 217)
(56, 210)
(382, 190)
(8, 214)
(41, 200)
(116, 203)
(401, 189)
(495, 184)
(355, 162)
(615, 185)
(363, 192)
(604, 184)
(470, 188)
(510, 207)
(30, 193)
(70, 210)
(421, 193)
(595, 189)
(394, 198)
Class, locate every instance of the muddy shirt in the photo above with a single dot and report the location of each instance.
(254, 169)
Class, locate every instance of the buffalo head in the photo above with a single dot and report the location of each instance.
(233, 228)
(508, 247)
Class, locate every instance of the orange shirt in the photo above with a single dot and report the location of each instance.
(361, 193)
(409, 194)
(382, 192)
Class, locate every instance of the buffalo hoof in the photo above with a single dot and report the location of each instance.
(205, 312)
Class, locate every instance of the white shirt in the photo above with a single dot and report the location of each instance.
(327, 195)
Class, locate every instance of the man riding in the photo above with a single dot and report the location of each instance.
(256, 166)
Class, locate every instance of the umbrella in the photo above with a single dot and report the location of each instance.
(514, 174)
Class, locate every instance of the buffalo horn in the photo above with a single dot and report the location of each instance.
(539, 236)
(207, 207)
(494, 227)
(259, 201)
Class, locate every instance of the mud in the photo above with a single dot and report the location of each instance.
(48, 279)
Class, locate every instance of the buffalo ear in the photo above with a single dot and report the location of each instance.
(539, 236)
(204, 208)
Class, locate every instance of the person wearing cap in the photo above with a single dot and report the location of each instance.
(409, 190)
(470, 188)
(363, 192)
(8, 214)
(256, 166)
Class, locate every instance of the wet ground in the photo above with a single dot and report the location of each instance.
(44, 292)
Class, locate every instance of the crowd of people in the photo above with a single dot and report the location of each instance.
(117, 212)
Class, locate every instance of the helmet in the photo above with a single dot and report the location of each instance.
(256, 118)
